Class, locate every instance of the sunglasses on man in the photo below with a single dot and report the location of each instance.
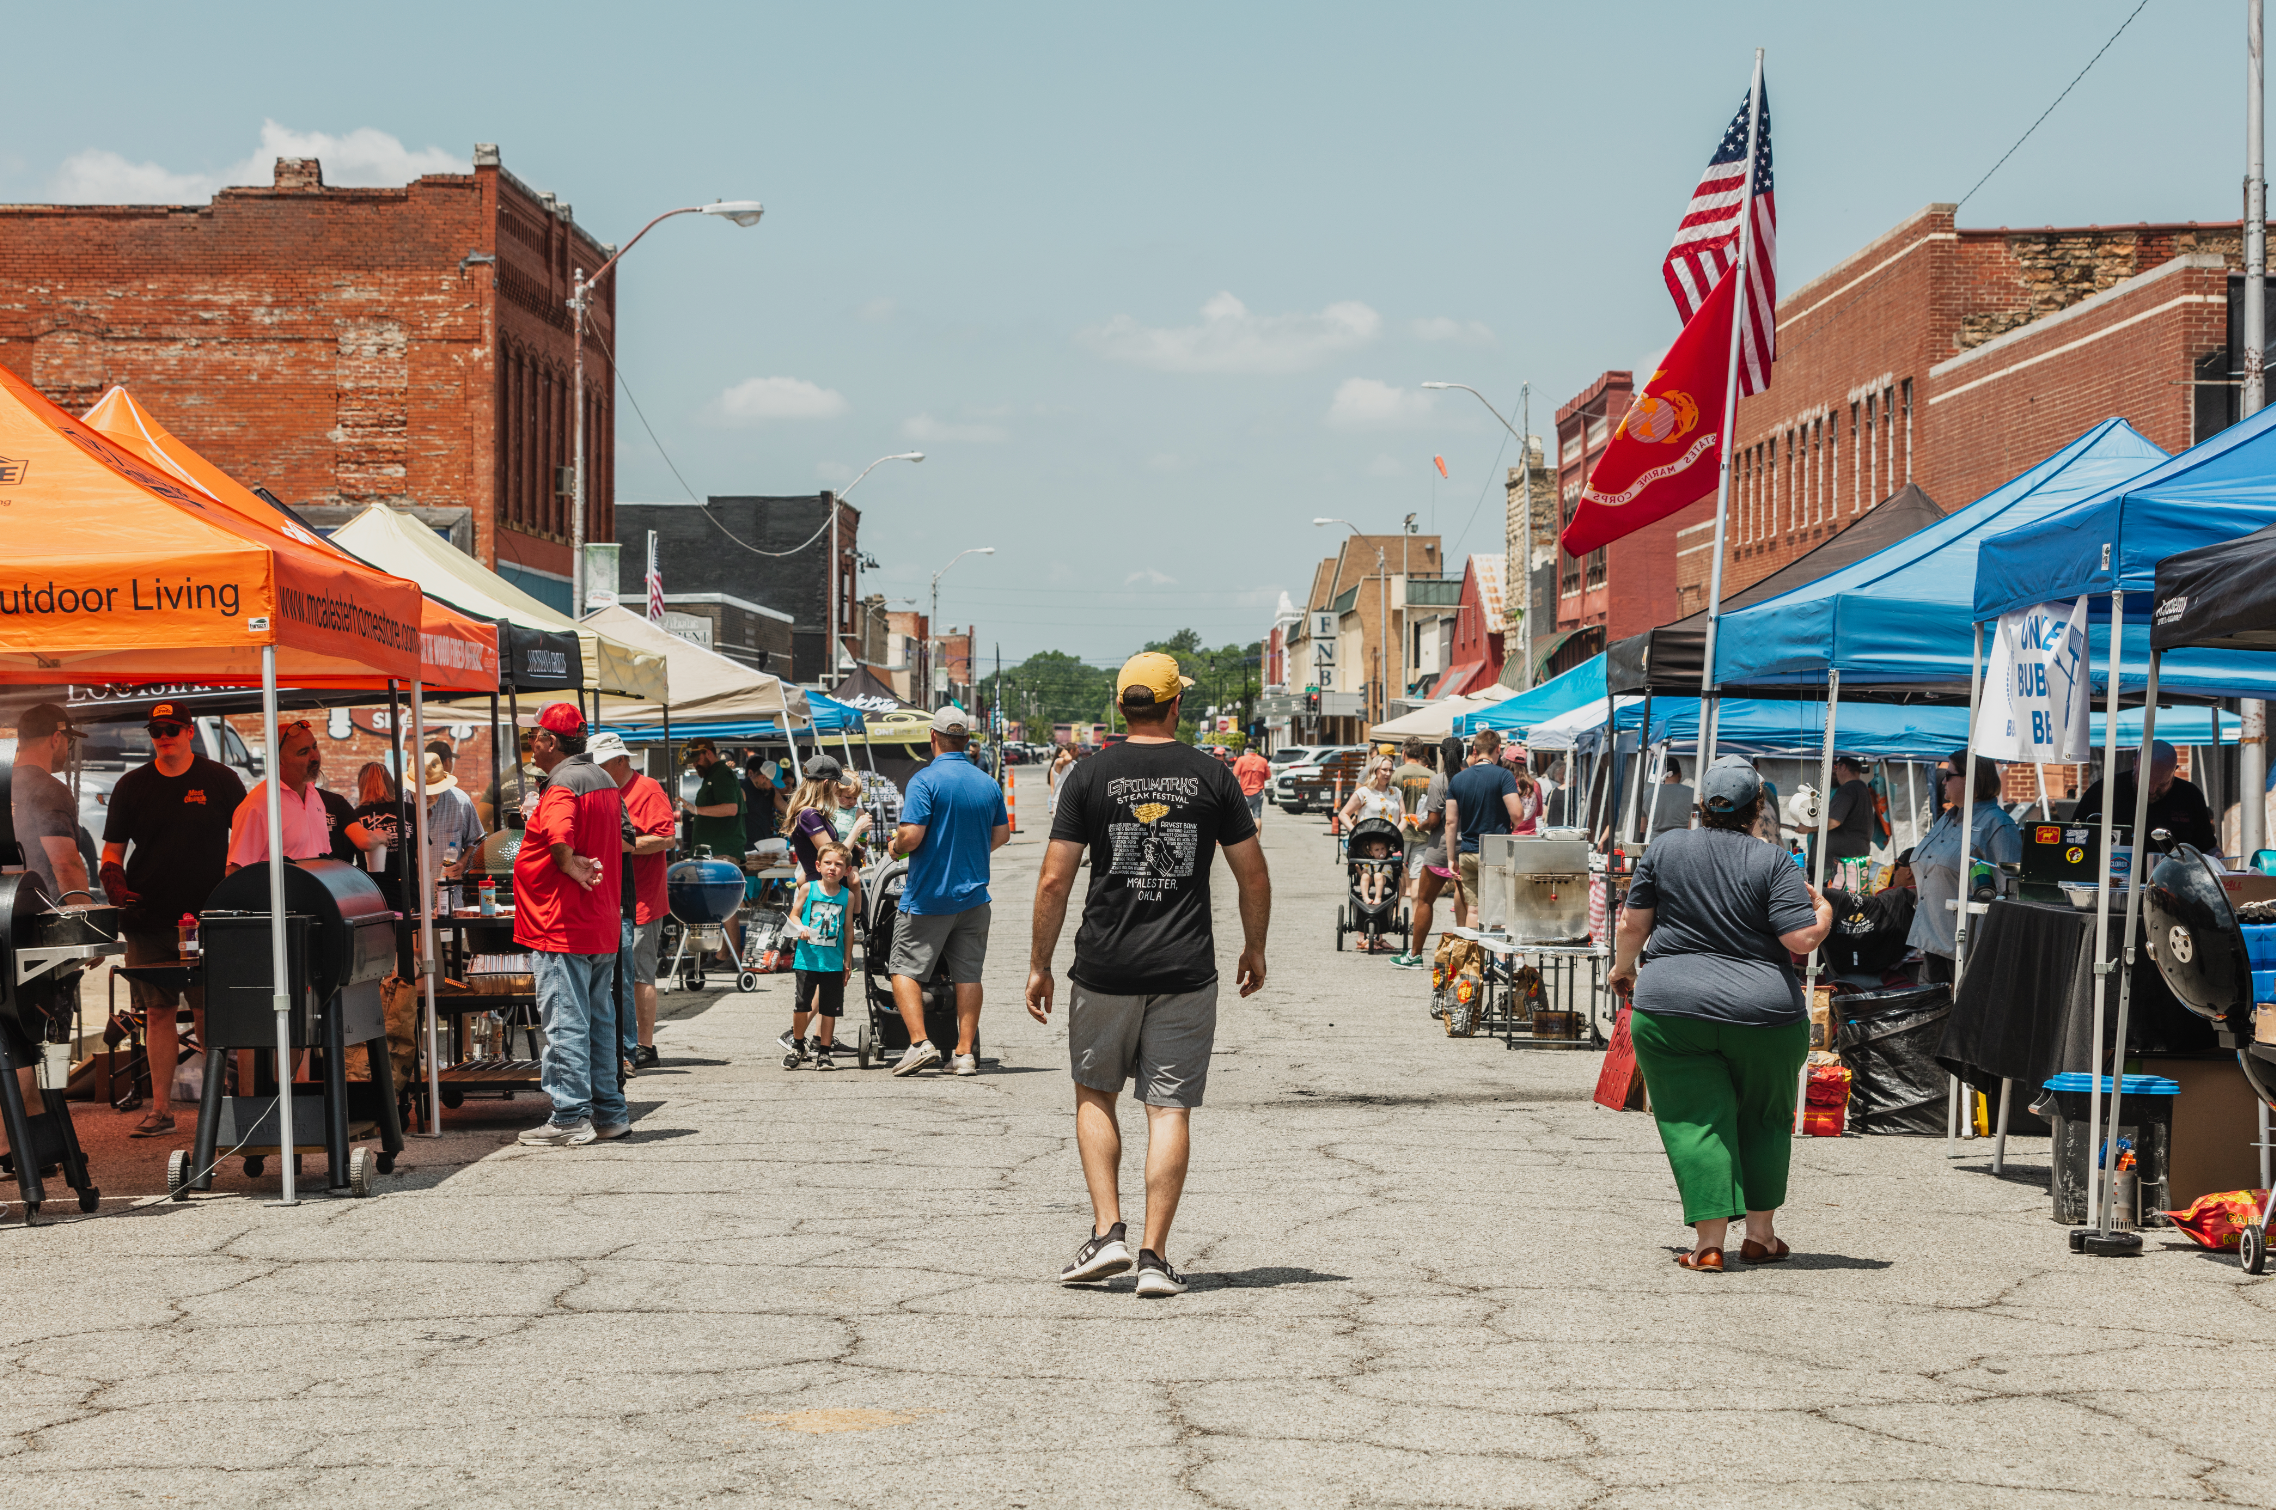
(165, 730)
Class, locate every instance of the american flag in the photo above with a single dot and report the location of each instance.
(655, 583)
(1707, 246)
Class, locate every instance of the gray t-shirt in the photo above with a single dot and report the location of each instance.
(43, 810)
(1720, 900)
(1849, 822)
(1434, 805)
(1671, 808)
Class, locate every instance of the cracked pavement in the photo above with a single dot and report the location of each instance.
(1424, 1272)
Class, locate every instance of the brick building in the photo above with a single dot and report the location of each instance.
(1583, 584)
(1953, 359)
(761, 550)
(340, 346)
(758, 636)
(1354, 589)
(1480, 629)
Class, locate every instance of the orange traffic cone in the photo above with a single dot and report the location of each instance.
(1335, 814)
(1011, 800)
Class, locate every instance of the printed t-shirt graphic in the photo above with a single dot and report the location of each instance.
(1152, 816)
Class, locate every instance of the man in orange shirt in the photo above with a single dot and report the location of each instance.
(566, 914)
(1253, 772)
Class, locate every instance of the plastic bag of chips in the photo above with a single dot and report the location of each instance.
(2217, 1221)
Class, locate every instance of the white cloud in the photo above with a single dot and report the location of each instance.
(877, 311)
(924, 427)
(1384, 466)
(1148, 577)
(1460, 332)
(1367, 404)
(754, 401)
(1230, 339)
(364, 158)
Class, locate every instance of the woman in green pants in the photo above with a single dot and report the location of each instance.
(1719, 1024)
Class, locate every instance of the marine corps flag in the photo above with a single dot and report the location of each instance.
(1663, 457)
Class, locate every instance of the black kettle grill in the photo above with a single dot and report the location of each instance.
(339, 946)
(43, 951)
(2199, 947)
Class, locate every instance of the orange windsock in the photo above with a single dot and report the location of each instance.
(1442, 466)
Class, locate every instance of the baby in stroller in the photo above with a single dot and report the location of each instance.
(1374, 860)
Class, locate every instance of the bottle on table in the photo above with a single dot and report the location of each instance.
(186, 936)
(489, 894)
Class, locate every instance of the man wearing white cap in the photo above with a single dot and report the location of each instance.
(650, 829)
(952, 820)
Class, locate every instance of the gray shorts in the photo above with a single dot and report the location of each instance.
(1165, 1041)
(647, 941)
(922, 939)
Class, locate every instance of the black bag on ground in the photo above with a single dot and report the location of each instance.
(1888, 1039)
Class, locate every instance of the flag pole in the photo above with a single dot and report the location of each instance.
(1739, 271)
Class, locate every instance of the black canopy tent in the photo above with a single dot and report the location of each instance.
(1665, 661)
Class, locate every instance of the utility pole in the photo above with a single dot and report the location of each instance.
(1525, 622)
(2252, 743)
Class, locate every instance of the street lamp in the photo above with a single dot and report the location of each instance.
(1525, 449)
(742, 212)
(932, 622)
(831, 670)
(1382, 616)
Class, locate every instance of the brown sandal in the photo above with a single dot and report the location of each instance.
(1705, 1260)
(1753, 1252)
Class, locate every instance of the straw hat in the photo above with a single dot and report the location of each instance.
(437, 779)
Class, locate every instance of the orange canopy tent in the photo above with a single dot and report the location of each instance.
(117, 571)
(121, 572)
(457, 652)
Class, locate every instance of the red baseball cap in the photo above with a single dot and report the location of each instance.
(558, 718)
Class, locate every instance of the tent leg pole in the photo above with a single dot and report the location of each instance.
(279, 998)
(1825, 827)
(2265, 1182)
(1912, 796)
(2113, 658)
(1999, 1133)
(434, 1127)
(2135, 872)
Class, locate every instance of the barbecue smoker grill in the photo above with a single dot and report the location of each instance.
(339, 945)
(2200, 949)
(43, 950)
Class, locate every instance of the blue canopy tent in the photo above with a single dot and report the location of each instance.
(2106, 549)
(1560, 694)
(1897, 621)
(830, 717)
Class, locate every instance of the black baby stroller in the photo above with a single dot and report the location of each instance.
(1374, 847)
(882, 1036)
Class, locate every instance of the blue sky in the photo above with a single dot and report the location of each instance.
(1152, 286)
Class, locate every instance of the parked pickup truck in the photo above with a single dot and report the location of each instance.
(1312, 783)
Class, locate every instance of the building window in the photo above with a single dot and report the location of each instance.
(1569, 567)
(1908, 429)
(1596, 568)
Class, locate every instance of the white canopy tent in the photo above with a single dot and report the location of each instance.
(705, 684)
(1435, 720)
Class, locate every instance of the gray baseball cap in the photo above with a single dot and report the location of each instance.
(1728, 785)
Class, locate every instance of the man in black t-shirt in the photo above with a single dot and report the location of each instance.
(1152, 813)
(175, 812)
(1849, 821)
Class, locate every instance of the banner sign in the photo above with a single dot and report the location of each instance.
(2037, 692)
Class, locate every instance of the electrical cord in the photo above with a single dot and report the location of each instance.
(187, 1181)
(608, 355)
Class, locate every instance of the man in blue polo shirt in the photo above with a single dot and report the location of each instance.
(951, 821)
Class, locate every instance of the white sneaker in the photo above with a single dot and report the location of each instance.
(918, 1056)
(963, 1064)
(606, 1130)
(554, 1135)
(1156, 1277)
(1102, 1256)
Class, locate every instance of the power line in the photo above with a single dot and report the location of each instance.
(2050, 110)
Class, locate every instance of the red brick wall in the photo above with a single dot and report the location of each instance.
(326, 343)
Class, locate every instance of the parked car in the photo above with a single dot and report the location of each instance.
(1311, 782)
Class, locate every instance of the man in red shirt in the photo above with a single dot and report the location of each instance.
(566, 880)
(650, 828)
(1253, 772)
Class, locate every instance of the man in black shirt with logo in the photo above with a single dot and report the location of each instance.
(175, 813)
(1151, 813)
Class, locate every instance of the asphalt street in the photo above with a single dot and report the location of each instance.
(1424, 1272)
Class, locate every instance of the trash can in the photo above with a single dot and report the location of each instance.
(1889, 1040)
(2146, 1131)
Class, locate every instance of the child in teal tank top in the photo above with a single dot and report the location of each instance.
(822, 912)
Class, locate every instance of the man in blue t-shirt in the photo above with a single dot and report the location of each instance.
(1481, 800)
(952, 819)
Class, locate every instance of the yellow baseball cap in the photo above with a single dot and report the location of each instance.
(1155, 673)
